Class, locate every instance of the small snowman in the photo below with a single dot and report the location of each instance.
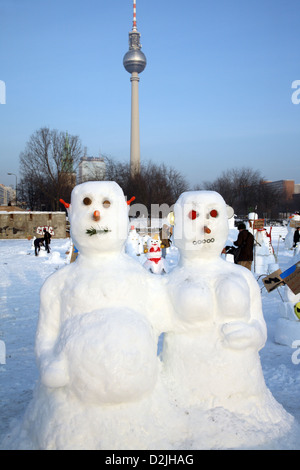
(211, 357)
(264, 257)
(155, 262)
(134, 246)
(293, 223)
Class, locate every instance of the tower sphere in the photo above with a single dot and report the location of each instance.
(134, 61)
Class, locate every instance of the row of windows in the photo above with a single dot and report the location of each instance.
(11, 216)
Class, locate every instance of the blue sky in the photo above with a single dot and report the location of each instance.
(215, 95)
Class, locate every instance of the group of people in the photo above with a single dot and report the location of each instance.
(45, 241)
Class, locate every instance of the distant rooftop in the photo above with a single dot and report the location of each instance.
(92, 159)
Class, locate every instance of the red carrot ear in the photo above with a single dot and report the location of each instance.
(130, 200)
(64, 203)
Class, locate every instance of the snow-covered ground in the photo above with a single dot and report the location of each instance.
(22, 275)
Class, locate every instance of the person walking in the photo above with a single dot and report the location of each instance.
(47, 239)
(296, 238)
(245, 242)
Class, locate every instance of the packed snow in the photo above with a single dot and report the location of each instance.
(115, 398)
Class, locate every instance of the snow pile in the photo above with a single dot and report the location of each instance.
(102, 384)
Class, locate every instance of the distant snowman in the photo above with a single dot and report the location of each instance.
(264, 257)
(155, 262)
(211, 356)
(97, 335)
(134, 244)
(293, 223)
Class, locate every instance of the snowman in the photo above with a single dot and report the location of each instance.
(96, 342)
(134, 245)
(155, 262)
(293, 223)
(211, 357)
(264, 258)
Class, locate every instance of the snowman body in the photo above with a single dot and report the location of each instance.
(263, 253)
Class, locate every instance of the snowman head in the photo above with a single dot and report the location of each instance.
(201, 224)
(153, 242)
(98, 216)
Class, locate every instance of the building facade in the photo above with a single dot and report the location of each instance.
(91, 169)
(7, 195)
(285, 187)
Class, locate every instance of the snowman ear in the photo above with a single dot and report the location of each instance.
(230, 212)
(130, 200)
(66, 204)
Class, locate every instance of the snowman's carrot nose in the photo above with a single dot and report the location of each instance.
(207, 230)
(96, 216)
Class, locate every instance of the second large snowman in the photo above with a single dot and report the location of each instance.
(211, 358)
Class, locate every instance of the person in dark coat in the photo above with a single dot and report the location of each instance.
(296, 237)
(245, 241)
(47, 239)
(38, 242)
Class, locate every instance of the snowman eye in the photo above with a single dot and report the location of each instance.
(213, 213)
(193, 214)
(106, 203)
(87, 201)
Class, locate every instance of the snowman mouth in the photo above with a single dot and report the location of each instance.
(92, 231)
(207, 240)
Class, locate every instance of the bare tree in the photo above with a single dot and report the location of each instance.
(155, 184)
(49, 163)
(245, 191)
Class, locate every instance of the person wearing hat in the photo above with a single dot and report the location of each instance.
(245, 241)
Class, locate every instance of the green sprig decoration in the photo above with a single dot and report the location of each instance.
(92, 231)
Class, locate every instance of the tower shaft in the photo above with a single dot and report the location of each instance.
(135, 157)
(134, 62)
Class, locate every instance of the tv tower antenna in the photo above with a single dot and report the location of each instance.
(134, 62)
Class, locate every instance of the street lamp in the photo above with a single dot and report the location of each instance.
(16, 186)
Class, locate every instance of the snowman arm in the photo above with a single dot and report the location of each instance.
(49, 322)
(239, 334)
(256, 311)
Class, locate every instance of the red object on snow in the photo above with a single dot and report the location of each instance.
(66, 204)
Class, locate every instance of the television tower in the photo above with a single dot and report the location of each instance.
(134, 62)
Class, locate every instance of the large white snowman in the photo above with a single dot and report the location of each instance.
(211, 358)
(96, 343)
